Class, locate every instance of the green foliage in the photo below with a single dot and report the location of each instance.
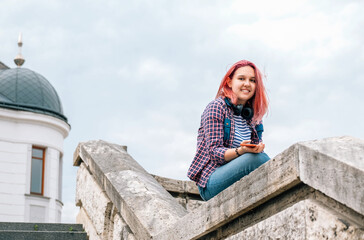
(36, 227)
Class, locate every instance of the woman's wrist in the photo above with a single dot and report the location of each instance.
(231, 154)
(239, 151)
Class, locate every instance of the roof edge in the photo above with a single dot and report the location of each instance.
(32, 108)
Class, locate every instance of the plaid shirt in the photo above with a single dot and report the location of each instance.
(210, 141)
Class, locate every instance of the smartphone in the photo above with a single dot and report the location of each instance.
(248, 144)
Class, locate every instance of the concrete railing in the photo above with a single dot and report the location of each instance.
(119, 199)
(312, 190)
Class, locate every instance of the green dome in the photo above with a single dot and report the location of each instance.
(23, 89)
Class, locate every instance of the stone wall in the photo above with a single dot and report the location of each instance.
(185, 192)
(312, 190)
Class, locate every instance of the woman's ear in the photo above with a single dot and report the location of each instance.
(228, 80)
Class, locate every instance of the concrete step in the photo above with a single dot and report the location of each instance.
(40, 226)
(41, 235)
(40, 231)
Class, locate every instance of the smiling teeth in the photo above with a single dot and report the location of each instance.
(246, 91)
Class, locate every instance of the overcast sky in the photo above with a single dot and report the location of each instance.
(140, 73)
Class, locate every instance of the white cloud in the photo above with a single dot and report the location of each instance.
(150, 68)
(151, 71)
(317, 34)
(269, 9)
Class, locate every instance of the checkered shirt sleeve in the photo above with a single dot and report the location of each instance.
(210, 146)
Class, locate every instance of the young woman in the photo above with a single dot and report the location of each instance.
(233, 119)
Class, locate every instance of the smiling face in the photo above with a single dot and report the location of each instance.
(243, 84)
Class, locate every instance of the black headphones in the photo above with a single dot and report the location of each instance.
(246, 112)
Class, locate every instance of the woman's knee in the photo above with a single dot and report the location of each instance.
(226, 175)
(262, 157)
(254, 160)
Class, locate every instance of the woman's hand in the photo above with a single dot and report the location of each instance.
(231, 154)
(257, 149)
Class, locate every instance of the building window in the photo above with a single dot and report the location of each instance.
(37, 174)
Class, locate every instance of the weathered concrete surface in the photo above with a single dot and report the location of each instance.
(96, 209)
(144, 204)
(93, 201)
(307, 219)
(121, 229)
(335, 166)
(281, 203)
(185, 192)
(312, 190)
(309, 162)
(82, 218)
(271, 179)
(178, 186)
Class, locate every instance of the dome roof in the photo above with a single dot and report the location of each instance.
(24, 89)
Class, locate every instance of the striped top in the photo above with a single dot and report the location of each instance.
(242, 131)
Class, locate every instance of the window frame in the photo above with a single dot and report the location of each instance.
(43, 168)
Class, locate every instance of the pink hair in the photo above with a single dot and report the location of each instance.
(258, 102)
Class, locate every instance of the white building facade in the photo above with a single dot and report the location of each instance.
(32, 132)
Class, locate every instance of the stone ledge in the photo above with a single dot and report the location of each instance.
(268, 181)
(279, 204)
(307, 219)
(335, 167)
(143, 203)
(177, 186)
(332, 167)
(306, 162)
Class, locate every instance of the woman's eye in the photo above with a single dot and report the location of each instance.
(252, 80)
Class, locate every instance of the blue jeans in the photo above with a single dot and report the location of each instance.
(231, 172)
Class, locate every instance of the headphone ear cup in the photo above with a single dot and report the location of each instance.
(247, 113)
(238, 109)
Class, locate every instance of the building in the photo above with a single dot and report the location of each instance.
(32, 131)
